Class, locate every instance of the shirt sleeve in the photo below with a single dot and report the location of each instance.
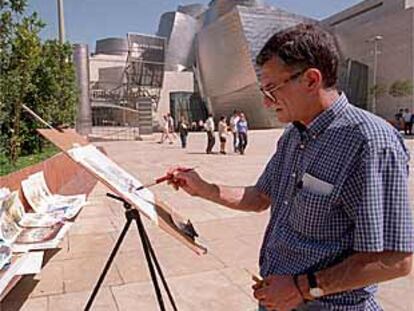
(383, 217)
(272, 169)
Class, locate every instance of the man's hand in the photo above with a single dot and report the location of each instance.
(188, 180)
(278, 292)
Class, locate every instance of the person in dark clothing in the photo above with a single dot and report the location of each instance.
(242, 130)
(209, 127)
(183, 130)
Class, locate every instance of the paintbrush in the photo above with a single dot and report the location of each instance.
(163, 178)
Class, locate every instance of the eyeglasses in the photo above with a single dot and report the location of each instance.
(269, 93)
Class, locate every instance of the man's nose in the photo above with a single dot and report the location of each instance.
(267, 102)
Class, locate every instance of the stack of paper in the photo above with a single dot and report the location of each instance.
(42, 200)
(11, 231)
(15, 209)
(4, 193)
(21, 264)
(5, 254)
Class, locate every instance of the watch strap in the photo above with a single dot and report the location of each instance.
(313, 283)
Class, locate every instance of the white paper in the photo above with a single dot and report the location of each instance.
(41, 199)
(4, 193)
(10, 272)
(32, 264)
(122, 181)
(52, 244)
(316, 185)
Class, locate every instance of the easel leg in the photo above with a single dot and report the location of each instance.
(133, 214)
(151, 260)
(144, 241)
(108, 264)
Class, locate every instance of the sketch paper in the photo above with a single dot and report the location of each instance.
(32, 264)
(125, 183)
(5, 254)
(11, 232)
(4, 193)
(51, 244)
(14, 208)
(42, 200)
(9, 272)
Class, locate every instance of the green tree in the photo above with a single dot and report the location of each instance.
(20, 50)
(40, 75)
(401, 88)
(378, 89)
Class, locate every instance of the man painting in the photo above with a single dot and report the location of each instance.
(340, 218)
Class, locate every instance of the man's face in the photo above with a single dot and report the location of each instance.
(291, 103)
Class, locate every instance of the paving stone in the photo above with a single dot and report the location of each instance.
(77, 301)
(217, 281)
(81, 274)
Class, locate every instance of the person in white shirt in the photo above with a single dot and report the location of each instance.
(209, 127)
(407, 116)
(165, 130)
(171, 127)
(222, 129)
(233, 128)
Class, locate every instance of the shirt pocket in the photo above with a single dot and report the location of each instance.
(310, 213)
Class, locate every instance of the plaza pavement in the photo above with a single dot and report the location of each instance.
(213, 282)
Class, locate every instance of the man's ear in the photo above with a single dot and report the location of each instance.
(313, 78)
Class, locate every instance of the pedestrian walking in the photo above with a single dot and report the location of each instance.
(183, 130)
(242, 128)
(407, 116)
(209, 127)
(171, 126)
(233, 128)
(165, 130)
(223, 132)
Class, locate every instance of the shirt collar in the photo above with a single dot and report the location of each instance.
(323, 120)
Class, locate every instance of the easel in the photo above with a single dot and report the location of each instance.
(132, 214)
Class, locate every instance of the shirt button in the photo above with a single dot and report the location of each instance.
(285, 202)
(314, 136)
(302, 146)
(293, 175)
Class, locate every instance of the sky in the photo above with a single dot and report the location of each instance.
(89, 20)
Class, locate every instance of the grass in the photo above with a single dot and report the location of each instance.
(6, 167)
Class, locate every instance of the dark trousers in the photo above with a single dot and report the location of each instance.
(408, 128)
(211, 140)
(242, 142)
(183, 138)
(235, 141)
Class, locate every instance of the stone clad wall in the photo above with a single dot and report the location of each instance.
(394, 21)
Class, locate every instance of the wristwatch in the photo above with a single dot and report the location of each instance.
(314, 290)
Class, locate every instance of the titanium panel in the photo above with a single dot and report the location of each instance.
(226, 51)
(218, 8)
(180, 30)
(194, 10)
(112, 46)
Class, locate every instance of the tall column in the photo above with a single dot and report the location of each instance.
(84, 111)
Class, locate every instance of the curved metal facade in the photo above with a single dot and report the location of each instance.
(226, 51)
(112, 46)
(194, 10)
(220, 46)
(218, 8)
(180, 30)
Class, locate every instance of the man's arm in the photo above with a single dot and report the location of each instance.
(360, 270)
(247, 199)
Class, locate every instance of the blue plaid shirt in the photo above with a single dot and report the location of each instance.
(337, 187)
